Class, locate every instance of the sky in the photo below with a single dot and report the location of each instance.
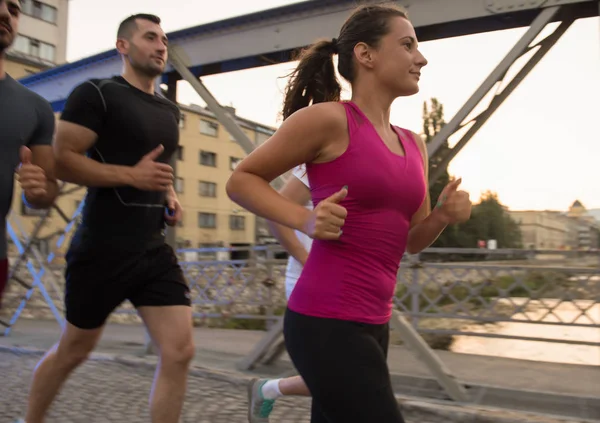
(538, 151)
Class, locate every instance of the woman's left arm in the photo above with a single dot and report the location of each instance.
(453, 206)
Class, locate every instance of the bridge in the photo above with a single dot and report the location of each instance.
(276, 36)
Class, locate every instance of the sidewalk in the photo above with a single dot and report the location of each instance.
(221, 349)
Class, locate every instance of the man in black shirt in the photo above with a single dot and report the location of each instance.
(116, 137)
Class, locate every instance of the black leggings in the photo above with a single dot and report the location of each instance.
(344, 366)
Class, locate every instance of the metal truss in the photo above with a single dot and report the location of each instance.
(496, 79)
(36, 264)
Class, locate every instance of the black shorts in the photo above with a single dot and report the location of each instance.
(98, 282)
(344, 366)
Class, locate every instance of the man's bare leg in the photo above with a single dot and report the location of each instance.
(170, 327)
(54, 368)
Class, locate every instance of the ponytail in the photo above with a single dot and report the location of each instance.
(314, 80)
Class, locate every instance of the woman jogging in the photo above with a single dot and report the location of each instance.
(369, 189)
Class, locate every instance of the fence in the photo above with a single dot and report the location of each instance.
(460, 298)
(478, 287)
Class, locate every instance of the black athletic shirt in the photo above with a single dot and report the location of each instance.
(129, 124)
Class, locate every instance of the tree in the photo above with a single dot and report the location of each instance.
(489, 220)
(433, 122)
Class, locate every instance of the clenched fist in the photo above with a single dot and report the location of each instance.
(327, 219)
(150, 175)
(454, 204)
(31, 177)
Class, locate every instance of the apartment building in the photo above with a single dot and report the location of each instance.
(587, 226)
(545, 229)
(207, 156)
(42, 39)
(205, 160)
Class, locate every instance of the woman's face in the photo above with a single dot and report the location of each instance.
(397, 62)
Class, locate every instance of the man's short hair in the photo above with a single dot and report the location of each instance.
(129, 25)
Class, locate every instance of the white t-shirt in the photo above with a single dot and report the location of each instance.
(294, 267)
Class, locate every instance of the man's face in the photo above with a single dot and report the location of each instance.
(147, 48)
(9, 22)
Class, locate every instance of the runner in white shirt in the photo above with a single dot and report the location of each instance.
(295, 265)
(262, 393)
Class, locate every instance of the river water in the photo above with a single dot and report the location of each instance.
(536, 350)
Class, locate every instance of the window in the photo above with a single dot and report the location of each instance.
(207, 220)
(39, 10)
(47, 52)
(209, 128)
(180, 152)
(183, 244)
(237, 223)
(233, 162)
(179, 185)
(21, 44)
(209, 255)
(208, 159)
(182, 121)
(35, 48)
(207, 189)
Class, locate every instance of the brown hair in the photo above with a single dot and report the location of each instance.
(314, 80)
(129, 25)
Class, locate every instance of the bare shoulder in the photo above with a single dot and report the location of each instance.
(330, 116)
(307, 135)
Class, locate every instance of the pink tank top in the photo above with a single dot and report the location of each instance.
(354, 278)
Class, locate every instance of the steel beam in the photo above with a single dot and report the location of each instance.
(497, 76)
(28, 249)
(269, 36)
(415, 343)
(180, 62)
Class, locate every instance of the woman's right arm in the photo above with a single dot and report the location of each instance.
(298, 192)
(311, 134)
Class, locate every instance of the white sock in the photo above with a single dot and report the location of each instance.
(270, 390)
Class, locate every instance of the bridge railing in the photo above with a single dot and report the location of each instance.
(463, 297)
(441, 291)
(476, 298)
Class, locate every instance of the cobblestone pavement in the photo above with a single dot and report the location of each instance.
(107, 392)
(111, 391)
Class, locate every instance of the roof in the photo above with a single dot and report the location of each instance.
(250, 124)
(577, 203)
(193, 31)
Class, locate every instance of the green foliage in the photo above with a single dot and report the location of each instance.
(489, 218)
(433, 122)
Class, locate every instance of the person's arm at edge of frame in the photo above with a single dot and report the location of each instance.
(296, 191)
(41, 155)
(301, 139)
